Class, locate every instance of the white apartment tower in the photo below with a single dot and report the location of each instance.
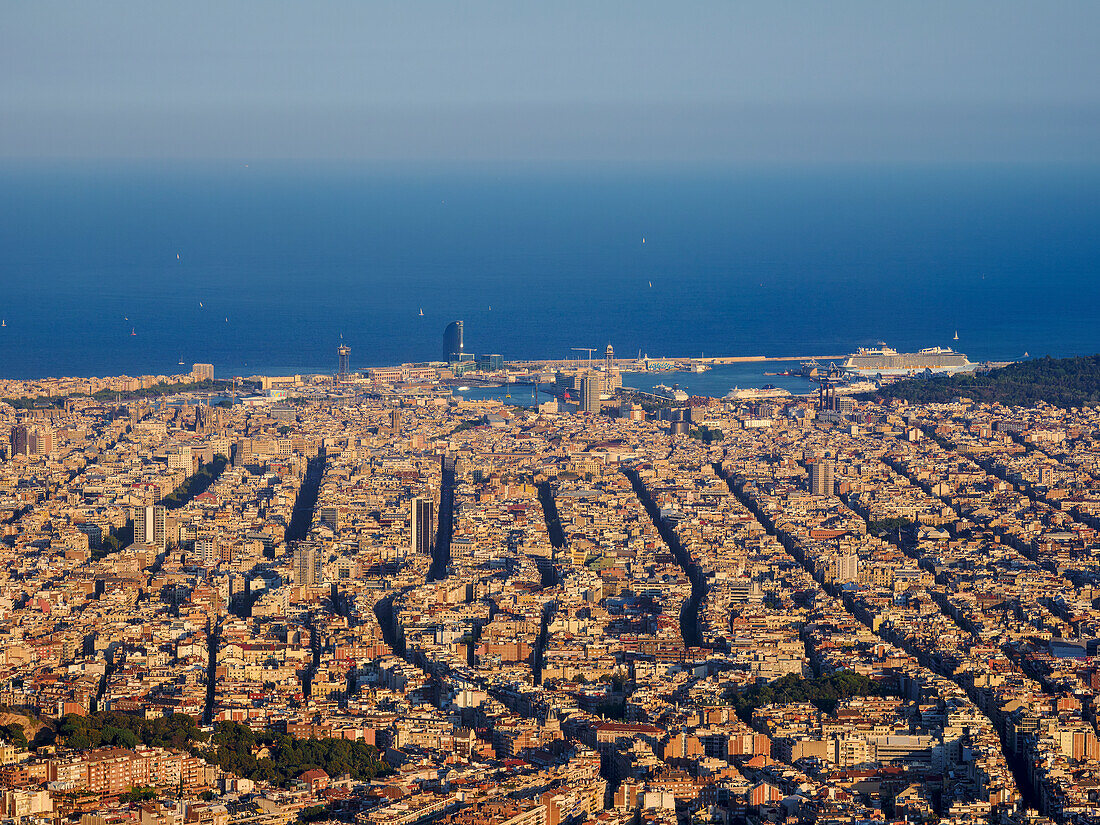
(149, 525)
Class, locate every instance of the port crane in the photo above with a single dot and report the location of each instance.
(589, 350)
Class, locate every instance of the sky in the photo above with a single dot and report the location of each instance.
(637, 81)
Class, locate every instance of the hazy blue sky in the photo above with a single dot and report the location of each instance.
(552, 80)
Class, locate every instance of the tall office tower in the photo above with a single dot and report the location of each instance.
(20, 440)
(591, 387)
(149, 525)
(202, 372)
(36, 440)
(308, 556)
(821, 477)
(343, 352)
(452, 342)
(422, 526)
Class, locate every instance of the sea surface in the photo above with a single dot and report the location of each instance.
(722, 378)
(110, 269)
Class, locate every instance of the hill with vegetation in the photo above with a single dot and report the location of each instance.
(1063, 382)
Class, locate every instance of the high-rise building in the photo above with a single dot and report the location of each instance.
(308, 558)
(846, 567)
(452, 342)
(591, 387)
(202, 372)
(343, 352)
(149, 525)
(42, 440)
(20, 440)
(821, 477)
(422, 526)
(31, 440)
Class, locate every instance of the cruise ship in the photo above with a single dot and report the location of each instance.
(767, 391)
(882, 360)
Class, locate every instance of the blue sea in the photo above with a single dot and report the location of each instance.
(261, 268)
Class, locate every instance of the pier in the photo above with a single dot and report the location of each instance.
(627, 363)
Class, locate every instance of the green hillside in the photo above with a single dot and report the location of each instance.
(1064, 382)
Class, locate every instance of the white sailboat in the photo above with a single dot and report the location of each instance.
(421, 312)
(956, 335)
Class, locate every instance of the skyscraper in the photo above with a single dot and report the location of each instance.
(343, 352)
(422, 526)
(34, 440)
(821, 477)
(452, 342)
(308, 557)
(591, 387)
(20, 440)
(149, 525)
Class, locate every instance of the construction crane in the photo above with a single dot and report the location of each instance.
(589, 350)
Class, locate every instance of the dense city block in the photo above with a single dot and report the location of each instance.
(373, 601)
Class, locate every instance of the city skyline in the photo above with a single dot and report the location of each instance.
(708, 607)
(517, 413)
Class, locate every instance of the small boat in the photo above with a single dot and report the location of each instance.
(463, 389)
(421, 312)
(956, 335)
(643, 239)
(227, 320)
(509, 395)
(1026, 355)
(133, 330)
(181, 362)
(177, 256)
(651, 284)
(200, 304)
(3, 323)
